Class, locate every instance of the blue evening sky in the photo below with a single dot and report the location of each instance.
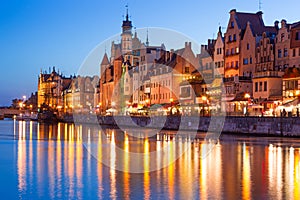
(37, 34)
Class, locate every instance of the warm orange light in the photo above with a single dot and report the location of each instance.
(171, 100)
(247, 95)
(204, 98)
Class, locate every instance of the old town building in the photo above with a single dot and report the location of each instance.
(243, 30)
(50, 87)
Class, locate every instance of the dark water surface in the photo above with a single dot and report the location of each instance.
(42, 161)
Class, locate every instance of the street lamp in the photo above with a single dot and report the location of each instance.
(171, 101)
(247, 96)
(204, 99)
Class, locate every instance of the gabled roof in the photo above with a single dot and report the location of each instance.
(105, 60)
(295, 25)
(255, 20)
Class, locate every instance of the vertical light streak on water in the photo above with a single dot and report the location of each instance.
(246, 176)
(59, 158)
(99, 166)
(196, 165)
(171, 170)
(279, 172)
(66, 132)
(39, 164)
(24, 130)
(217, 171)
(290, 173)
(183, 176)
(271, 166)
(21, 161)
(90, 149)
(71, 163)
(30, 164)
(51, 164)
(126, 166)
(14, 128)
(158, 149)
(146, 169)
(112, 171)
(297, 175)
(50, 132)
(79, 163)
(203, 171)
(158, 155)
(38, 131)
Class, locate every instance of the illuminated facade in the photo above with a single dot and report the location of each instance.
(50, 87)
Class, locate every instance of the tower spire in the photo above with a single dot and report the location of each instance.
(147, 39)
(127, 18)
(259, 4)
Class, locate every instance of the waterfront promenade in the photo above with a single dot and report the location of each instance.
(256, 126)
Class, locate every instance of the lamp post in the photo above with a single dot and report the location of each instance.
(247, 96)
(171, 101)
(204, 99)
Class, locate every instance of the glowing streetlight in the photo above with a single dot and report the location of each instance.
(247, 96)
(204, 99)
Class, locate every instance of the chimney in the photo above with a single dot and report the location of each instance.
(283, 23)
(233, 11)
(276, 25)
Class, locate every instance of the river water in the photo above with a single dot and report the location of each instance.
(64, 161)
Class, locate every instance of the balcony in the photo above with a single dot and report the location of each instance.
(227, 54)
(237, 79)
(267, 74)
(231, 67)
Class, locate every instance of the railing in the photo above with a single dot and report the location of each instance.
(231, 67)
(237, 79)
(228, 79)
(267, 74)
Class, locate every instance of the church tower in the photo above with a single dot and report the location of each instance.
(126, 34)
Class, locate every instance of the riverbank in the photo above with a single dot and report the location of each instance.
(254, 126)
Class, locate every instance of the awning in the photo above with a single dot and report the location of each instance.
(292, 102)
(256, 106)
(216, 83)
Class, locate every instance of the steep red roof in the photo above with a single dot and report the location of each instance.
(255, 19)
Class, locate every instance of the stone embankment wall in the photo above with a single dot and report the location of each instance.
(285, 126)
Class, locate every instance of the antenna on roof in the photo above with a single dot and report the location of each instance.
(259, 4)
(147, 39)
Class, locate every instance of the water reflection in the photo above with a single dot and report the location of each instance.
(52, 163)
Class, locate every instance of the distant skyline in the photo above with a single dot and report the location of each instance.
(36, 35)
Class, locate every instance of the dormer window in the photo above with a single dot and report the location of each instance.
(297, 35)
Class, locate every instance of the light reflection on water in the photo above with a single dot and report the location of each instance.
(52, 163)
